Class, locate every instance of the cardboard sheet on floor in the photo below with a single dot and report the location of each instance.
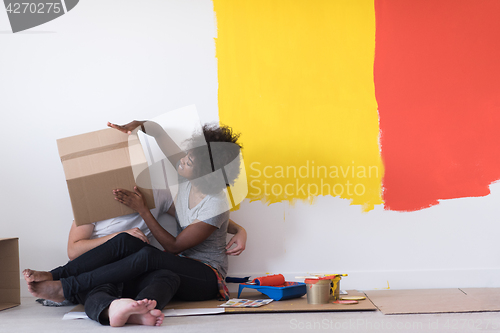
(435, 300)
(79, 312)
(290, 305)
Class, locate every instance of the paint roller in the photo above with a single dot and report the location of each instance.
(270, 280)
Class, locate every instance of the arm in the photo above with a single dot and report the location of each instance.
(79, 240)
(239, 238)
(165, 142)
(191, 236)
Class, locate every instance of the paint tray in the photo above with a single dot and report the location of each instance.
(287, 291)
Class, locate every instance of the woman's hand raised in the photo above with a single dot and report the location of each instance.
(127, 128)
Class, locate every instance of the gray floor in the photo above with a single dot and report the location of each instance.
(32, 317)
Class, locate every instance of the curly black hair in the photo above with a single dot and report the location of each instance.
(217, 148)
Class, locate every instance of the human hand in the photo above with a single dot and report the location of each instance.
(127, 128)
(134, 200)
(240, 239)
(136, 232)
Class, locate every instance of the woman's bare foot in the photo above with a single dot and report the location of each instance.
(150, 303)
(152, 318)
(51, 290)
(126, 310)
(36, 276)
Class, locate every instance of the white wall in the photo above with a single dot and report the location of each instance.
(121, 60)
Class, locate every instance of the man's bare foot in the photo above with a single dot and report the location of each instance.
(36, 276)
(126, 310)
(51, 290)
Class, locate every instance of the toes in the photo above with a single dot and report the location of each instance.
(27, 275)
(159, 320)
(31, 288)
(151, 304)
(155, 312)
(159, 316)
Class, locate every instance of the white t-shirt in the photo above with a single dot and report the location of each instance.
(163, 201)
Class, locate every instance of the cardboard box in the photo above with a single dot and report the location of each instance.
(10, 288)
(96, 163)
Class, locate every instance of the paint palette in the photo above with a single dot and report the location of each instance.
(287, 291)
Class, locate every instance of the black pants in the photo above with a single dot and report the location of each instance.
(157, 285)
(125, 258)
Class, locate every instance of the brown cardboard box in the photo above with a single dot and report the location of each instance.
(96, 163)
(10, 288)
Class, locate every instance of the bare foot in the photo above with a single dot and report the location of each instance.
(126, 310)
(152, 318)
(51, 290)
(146, 319)
(36, 276)
(150, 303)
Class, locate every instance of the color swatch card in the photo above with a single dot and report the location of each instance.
(246, 303)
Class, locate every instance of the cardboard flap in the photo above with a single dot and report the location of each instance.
(89, 141)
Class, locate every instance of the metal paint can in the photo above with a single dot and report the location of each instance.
(318, 291)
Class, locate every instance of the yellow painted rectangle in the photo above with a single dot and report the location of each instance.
(296, 79)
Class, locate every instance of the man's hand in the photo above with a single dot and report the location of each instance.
(240, 239)
(134, 200)
(127, 128)
(136, 232)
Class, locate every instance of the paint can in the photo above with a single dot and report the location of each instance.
(318, 291)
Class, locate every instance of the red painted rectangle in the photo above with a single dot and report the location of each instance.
(437, 84)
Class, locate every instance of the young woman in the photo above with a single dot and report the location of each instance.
(194, 264)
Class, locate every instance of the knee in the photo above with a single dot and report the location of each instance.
(166, 278)
(148, 251)
(149, 258)
(166, 274)
(126, 240)
(122, 237)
